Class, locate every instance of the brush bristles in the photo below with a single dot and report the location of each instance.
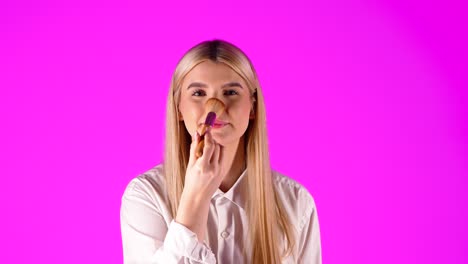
(214, 105)
(210, 118)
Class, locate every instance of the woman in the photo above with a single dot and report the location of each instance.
(226, 206)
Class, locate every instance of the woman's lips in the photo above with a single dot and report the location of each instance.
(219, 124)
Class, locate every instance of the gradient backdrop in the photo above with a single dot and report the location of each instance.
(366, 105)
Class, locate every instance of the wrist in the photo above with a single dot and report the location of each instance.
(193, 199)
(193, 214)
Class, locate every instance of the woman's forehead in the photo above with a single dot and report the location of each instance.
(212, 73)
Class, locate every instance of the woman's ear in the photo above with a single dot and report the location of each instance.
(254, 104)
(179, 116)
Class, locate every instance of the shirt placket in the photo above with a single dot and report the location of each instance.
(225, 229)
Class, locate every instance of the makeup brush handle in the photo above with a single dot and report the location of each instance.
(202, 129)
(199, 149)
(201, 144)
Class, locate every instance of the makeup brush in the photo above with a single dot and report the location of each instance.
(213, 108)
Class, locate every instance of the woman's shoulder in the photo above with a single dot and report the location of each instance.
(146, 194)
(289, 186)
(149, 184)
(297, 200)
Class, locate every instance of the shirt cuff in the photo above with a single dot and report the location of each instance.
(183, 241)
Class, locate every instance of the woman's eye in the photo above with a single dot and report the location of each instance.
(231, 92)
(198, 93)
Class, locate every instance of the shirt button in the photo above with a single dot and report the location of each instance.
(224, 234)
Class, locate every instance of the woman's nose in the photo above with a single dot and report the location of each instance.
(217, 97)
(216, 105)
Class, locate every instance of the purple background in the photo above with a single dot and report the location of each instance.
(366, 107)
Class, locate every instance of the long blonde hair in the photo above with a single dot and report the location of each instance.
(266, 215)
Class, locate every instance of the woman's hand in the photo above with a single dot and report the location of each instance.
(202, 178)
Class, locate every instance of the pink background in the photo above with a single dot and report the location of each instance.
(366, 107)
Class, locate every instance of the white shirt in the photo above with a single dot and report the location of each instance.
(150, 234)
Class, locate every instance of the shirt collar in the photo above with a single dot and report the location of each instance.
(236, 193)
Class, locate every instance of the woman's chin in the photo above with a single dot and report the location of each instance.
(226, 141)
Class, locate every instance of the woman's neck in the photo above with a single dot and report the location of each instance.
(234, 164)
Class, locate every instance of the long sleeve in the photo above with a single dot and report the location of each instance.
(309, 242)
(148, 238)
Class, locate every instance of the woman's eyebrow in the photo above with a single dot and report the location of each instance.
(202, 85)
(197, 84)
(233, 84)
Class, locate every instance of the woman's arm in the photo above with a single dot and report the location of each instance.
(310, 250)
(146, 238)
(202, 179)
(145, 234)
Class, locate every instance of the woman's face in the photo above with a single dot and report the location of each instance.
(207, 80)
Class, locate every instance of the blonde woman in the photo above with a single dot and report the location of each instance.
(226, 206)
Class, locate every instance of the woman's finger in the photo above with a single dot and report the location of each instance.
(193, 146)
(215, 158)
(208, 148)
